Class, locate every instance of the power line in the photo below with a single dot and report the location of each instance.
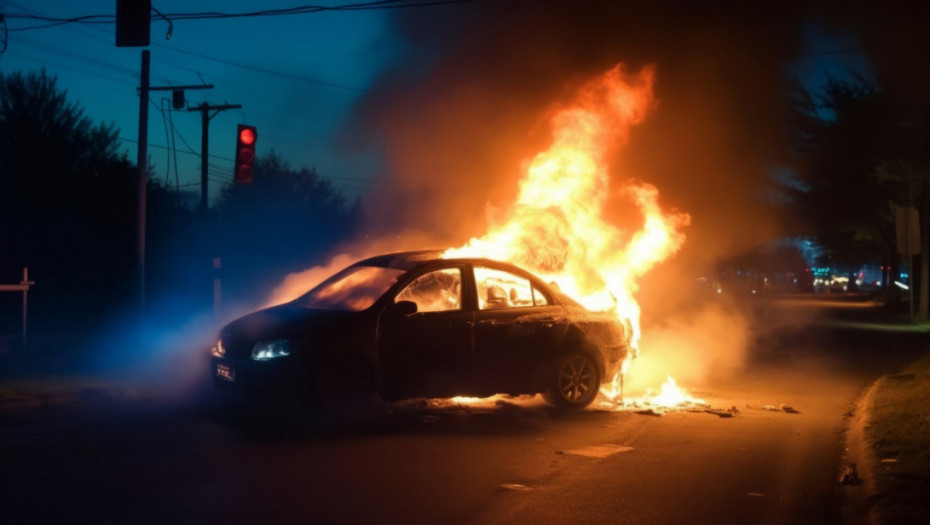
(205, 15)
(35, 14)
(268, 71)
(72, 68)
(48, 48)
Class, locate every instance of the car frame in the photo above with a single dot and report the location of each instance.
(532, 340)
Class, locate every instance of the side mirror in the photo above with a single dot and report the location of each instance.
(403, 308)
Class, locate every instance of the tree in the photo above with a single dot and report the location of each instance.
(284, 221)
(67, 204)
(856, 155)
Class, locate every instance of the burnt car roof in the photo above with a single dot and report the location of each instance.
(402, 260)
(407, 261)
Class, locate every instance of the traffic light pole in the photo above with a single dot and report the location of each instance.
(205, 116)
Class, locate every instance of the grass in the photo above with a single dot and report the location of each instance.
(899, 430)
(31, 395)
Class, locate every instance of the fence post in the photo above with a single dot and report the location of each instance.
(23, 286)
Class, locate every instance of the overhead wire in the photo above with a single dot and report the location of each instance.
(257, 69)
(204, 15)
(70, 67)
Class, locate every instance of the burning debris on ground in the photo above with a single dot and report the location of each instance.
(780, 408)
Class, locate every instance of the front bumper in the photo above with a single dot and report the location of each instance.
(249, 378)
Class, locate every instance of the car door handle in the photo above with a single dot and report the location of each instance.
(494, 323)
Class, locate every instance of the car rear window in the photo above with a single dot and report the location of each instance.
(353, 289)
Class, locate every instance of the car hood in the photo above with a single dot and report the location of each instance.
(280, 321)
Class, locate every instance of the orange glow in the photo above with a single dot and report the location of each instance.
(556, 227)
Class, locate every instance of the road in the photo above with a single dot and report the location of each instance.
(504, 461)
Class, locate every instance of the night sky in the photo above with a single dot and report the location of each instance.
(317, 66)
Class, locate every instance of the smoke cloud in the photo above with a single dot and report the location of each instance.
(459, 119)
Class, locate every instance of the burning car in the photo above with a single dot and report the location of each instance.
(415, 324)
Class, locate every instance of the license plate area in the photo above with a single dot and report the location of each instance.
(225, 371)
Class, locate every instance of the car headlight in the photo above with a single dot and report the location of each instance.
(218, 350)
(265, 350)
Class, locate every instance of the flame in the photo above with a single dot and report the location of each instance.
(556, 227)
(670, 395)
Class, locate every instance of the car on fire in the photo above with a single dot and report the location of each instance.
(417, 325)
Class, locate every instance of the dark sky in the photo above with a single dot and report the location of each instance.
(314, 68)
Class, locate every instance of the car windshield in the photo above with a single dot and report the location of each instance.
(353, 289)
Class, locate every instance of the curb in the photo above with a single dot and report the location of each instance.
(859, 506)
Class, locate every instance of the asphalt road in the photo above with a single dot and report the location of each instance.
(510, 461)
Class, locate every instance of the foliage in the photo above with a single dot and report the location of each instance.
(281, 222)
(68, 211)
(899, 430)
(855, 151)
(66, 193)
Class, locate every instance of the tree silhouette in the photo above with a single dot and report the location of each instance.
(68, 212)
(284, 221)
(855, 155)
(66, 196)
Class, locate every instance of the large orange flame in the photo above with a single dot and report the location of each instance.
(556, 227)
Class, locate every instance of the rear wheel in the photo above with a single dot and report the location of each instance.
(576, 382)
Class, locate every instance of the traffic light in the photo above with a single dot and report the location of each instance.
(245, 153)
(133, 22)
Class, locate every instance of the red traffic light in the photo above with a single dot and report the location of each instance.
(245, 154)
(247, 136)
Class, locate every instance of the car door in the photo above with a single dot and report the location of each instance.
(517, 329)
(427, 353)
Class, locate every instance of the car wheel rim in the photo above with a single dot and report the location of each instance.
(576, 379)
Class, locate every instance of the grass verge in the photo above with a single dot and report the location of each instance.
(23, 396)
(899, 430)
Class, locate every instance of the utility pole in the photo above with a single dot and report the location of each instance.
(142, 178)
(142, 167)
(205, 117)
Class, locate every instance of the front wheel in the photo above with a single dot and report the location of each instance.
(576, 382)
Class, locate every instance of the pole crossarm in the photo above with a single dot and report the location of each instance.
(207, 107)
(175, 88)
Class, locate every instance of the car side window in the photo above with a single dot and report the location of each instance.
(500, 289)
(436, 291)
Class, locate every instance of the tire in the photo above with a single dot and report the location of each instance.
(576, 382)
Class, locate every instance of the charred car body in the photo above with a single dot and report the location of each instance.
(414, 324)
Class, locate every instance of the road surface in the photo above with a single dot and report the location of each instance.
(153, 460)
